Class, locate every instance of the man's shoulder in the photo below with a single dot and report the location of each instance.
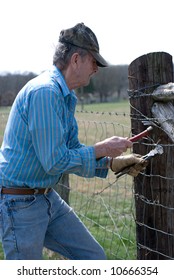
(43, 81)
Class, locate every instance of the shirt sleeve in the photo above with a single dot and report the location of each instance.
(49, 131)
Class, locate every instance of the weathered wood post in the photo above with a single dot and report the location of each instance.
(154, 191)
(63, 187)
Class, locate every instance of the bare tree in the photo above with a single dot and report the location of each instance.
(110, 80)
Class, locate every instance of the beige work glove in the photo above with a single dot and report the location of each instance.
(134, 162)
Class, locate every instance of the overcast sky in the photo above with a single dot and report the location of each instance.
(126, 29)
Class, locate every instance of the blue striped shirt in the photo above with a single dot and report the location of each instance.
(41, 136)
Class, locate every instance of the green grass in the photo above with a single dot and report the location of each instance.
(108, 216)
(119, 107)
(5, 110)
(99, 121)
(1, 252)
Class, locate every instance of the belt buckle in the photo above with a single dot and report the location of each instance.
(36, 191)
(46, 190)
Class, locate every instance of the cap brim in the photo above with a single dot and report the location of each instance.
(101, 62)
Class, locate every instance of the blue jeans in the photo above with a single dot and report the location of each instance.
(30, 222)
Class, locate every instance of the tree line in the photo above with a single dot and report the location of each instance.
(109, 84)
(11, 84)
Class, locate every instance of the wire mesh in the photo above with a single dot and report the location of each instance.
(109, 214)
(107, 206)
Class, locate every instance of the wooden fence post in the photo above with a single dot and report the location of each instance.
(63, 187)
(154, 191)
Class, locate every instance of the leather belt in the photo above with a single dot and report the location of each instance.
(27, 191)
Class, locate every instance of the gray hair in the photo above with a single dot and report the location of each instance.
(63, 53)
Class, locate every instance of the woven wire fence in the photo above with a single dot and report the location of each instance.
(107, 206)
(154, 192)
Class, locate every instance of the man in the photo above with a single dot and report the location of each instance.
(40, 144)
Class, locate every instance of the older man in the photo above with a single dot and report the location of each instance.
(40, 144)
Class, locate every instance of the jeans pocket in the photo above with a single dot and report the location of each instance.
(21, 203)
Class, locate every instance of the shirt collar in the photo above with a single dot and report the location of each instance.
(60, 79)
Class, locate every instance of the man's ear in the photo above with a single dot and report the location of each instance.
(75, 59)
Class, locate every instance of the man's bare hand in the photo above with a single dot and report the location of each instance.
(112, 147)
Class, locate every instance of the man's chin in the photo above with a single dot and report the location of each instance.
(86, 83)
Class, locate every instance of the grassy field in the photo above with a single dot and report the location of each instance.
(108, 215)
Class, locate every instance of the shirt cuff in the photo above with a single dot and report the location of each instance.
(92, 167)
(102, 166)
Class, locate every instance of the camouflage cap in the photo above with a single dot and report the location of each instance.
(83, 37)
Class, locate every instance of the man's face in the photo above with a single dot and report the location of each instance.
(87, 67)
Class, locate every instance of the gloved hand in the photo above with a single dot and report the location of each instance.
(134, 161)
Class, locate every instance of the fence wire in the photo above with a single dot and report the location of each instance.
(107, 206)
(154, 192)
(117, 231)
